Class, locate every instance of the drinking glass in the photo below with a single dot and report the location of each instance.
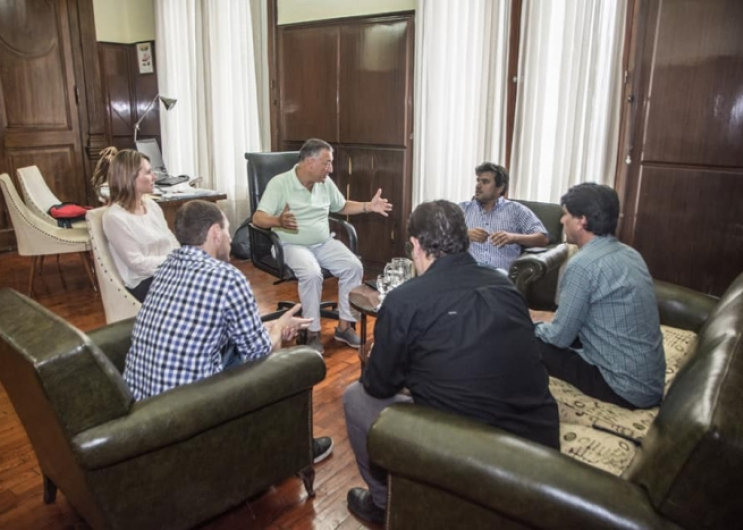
(395, 277)
(383, 287)
(405, 268)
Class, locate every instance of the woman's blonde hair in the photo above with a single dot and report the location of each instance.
(120, 170)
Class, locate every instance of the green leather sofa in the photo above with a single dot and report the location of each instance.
(170, 461)
(450, 472)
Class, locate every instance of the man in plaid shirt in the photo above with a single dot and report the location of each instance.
(499, 228)
(200, 316)
(605, 338)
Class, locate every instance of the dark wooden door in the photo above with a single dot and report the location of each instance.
(374, 82)
(684, 185)
(308, 83)
(39, 119)
(359, 173)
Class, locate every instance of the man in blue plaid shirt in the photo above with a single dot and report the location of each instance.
(499, 228)
(605, 338)
(200, 316)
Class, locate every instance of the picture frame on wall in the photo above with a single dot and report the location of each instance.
(144, 58)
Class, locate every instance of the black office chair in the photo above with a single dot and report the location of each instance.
(262, 167)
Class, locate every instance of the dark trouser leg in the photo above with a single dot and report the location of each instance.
(566, 364)
(361, 411)
(140, 291)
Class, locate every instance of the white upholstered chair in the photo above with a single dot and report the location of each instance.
(37, 237)
(39, 198)
(118, 303)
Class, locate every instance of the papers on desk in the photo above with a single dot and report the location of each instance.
(183, 190)
(193, 193)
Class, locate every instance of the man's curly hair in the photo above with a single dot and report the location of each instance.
(440, 228)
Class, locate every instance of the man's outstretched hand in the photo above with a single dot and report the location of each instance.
(380, 205)
(290, 325)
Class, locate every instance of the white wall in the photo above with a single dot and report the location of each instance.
(134, 20)
(293, 11)
(124, 22)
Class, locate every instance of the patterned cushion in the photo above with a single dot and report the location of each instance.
(598, 449)
(577, 408)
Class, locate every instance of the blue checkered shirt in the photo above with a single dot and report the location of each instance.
(195, 306)
(506, 216)
(607, 300)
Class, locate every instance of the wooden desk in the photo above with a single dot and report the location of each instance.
(170, 205)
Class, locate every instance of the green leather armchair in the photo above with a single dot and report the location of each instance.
(450, 472)
(521, 271)
(170, 461)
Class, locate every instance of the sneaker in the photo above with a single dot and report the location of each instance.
(321, 448)
(348, 336)
(361, 505)
(314, 341)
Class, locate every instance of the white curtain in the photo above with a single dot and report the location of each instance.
(206, 60)
(569, 92)
(460, 94)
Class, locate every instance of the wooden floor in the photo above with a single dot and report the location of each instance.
(285, 506)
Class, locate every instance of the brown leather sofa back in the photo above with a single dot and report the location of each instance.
(692, 458)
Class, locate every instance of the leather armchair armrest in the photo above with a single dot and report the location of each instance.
(521, 480)
(684, 308)
(276, 242)
(350, 232)
(114, 340)
(528, 268)
(188, 410)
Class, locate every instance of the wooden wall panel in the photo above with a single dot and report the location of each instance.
(359, 173)
(695, 112)
(39, 119)
(350, 82)
(692, 225)
(684, 186)
(308, 109)
(373, 75)
(127, 94)
(117, 89)
(53, 162)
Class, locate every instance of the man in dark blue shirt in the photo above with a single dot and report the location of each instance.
(459, 338)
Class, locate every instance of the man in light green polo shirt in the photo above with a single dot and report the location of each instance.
(296, 205)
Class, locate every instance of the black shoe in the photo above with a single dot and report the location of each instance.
(321, 448)
(360, 504)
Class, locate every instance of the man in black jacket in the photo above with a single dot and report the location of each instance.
(459, 338)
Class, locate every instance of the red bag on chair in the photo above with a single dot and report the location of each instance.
(68, 212)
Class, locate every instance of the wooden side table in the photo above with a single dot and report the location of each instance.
(365, 300)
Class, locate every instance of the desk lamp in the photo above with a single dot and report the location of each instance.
(169, 103)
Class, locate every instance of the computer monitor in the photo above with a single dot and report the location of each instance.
(150, 147)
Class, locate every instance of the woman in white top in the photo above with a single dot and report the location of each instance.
(138, 235)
